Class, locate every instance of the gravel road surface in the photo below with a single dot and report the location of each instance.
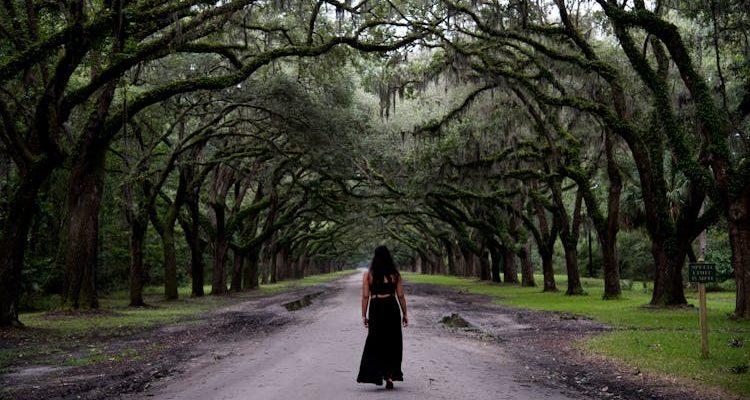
(318, 357)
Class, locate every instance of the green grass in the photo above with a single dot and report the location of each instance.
(48, 334)
(678, 353)
(665, 341)
(98, 355)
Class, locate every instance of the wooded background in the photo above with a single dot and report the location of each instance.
(242, 142)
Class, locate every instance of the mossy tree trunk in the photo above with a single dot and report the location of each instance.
(170, 259)
(510, 273)
(166, 230)
(264, 263)
(250, 280)
(136, 214)
(13, 238)
(496, 259)
(273, 266)
(608, 228)
(84, 202)
(459, 262)
(138, 227)
(223, 179)
(238, 271)
(548, 271)
(527, 268)
(468, 263)
(545, 235)
(739, 236)
(668, 289)
(612, 289)
(221, 250)
(484, 265)
(569, 238)
(191, 228)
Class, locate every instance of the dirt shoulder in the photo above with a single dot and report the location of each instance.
(131, 363)
(549, 342)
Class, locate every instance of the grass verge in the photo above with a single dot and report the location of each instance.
(665, 341)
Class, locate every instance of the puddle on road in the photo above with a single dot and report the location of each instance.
(301, 303)
(455, 321)
(34, 372)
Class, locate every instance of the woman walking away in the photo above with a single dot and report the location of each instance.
(381, 286)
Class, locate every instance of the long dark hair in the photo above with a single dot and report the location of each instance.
(382, 265)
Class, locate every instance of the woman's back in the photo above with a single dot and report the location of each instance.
(386, 286)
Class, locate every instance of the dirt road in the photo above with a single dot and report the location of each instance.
(317, 357)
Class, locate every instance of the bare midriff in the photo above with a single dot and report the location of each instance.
(381, 296)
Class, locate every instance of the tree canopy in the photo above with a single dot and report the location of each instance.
(273, 139)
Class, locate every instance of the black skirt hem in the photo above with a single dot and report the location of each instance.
(379, 381)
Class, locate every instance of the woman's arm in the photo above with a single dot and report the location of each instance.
(365, 296)
(402, 299)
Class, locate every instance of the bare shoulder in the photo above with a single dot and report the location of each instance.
(366, 276)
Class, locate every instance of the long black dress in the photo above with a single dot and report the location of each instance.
(383, 348)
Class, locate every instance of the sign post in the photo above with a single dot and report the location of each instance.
(702, 273)
(704, 320)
